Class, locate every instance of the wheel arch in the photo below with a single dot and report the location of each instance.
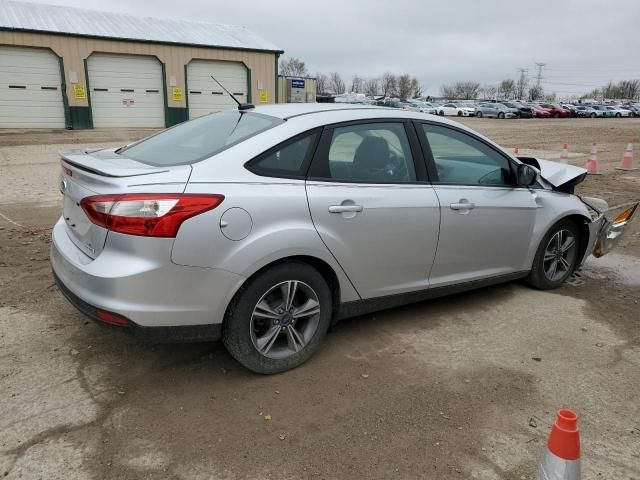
(326, 270)
(582, 222)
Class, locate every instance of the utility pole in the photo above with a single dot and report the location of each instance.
(521, 82)
(540, 66)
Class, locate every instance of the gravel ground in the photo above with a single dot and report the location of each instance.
(460, 388)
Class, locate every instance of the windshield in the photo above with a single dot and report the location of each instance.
(198, 139)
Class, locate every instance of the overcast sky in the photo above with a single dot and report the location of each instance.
(585, 43)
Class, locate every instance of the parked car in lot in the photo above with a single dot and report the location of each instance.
(524, 111)
(540, 112)
(573, 109)
(556, 111)
(456, 109)
(617, 111)
(424, 107)
(601, 111)
(266, 225)
(586, 111)
(495, 110)
(635, 110)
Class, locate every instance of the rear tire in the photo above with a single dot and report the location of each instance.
(556, 115)
(618, 115)
(593, 115)
(557, 256)
(259, 308)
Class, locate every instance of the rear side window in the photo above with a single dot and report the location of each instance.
(198, 139)
(288, 160)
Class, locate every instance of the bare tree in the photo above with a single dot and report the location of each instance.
(293, 67)
(536, 92)
(489, 92)
(389, 85)
(372, 87)
(467, 90)
(521, 86)
(357, 84)
(404, 86)
(322, 83)
(448, 91)
(630, 89)
(337, 84)
(507, 88)
(416, 88)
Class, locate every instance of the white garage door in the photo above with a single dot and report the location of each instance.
(205, 95)
(126, 91)
(30, 89)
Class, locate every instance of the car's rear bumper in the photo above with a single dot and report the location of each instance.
(135, 278)
(185, 333)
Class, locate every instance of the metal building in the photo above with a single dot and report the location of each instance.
(76, 68)
(296, 89)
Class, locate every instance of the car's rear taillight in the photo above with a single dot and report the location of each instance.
(147, 214)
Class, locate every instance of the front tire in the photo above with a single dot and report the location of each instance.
(501, 115)
(557, 256)
(479, 114)
(278, 320)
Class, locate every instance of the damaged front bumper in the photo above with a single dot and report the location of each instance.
(605, 232)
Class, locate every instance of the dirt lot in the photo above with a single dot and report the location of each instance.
(456, 388)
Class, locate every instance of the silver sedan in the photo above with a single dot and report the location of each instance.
(264, 226)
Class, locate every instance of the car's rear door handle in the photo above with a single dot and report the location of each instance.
(462, 206)
(345, 208)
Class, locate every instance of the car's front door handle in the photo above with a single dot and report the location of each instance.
(345, 208)
(462, 206)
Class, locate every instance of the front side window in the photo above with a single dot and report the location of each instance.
(375, 152)
(462, 160)
(198, 139)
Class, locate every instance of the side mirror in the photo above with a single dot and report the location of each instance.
(527, 175)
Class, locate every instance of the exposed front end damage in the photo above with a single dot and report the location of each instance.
(605, 230)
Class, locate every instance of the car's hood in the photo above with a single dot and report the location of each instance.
(557, 173)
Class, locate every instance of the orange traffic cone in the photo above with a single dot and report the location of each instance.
(516, 150)
(592, 162)
(627, 160)
(544, 154)
(564, 156)
(562, 458)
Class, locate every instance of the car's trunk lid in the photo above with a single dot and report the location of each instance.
(96, 172)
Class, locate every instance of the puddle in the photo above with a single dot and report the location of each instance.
(625, 268)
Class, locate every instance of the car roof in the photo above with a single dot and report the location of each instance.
(289, 110)
(301, 117)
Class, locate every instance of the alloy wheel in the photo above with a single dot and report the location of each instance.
(559, 255)
(285, 319)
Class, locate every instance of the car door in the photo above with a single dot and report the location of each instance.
(492, 111)
(372, 206)
(486, 221)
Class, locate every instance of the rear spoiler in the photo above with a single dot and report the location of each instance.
(107, 163)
